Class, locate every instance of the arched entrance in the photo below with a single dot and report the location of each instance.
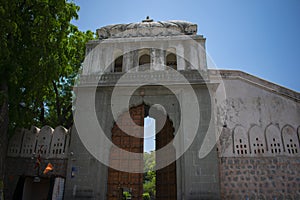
(118, 182)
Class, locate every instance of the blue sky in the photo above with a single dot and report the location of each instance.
(260, 37)
(149, 134)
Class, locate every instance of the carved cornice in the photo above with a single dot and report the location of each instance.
(147, 77)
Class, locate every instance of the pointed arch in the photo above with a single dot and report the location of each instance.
(120, 181)
(240, 141)
(290, 140)
(273, 139)
(44, 139)
(15, 143)
(144, 59)
(59, 143)
(257, 140)
(118, 61)
(29, 142)
(171, 58)
(118, 65)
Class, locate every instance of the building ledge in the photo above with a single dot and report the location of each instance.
(236, 74)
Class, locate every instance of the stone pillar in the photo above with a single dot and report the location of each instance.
(158, 57)
(106, 60)
(202, 52)
(194, 57)
(180, 58)
(130, 60)
(127, 61)
(152, 59)
(135, 58)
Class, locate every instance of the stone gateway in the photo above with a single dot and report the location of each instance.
(220, 134)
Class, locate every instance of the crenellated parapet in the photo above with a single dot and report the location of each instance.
(46, 142)
(269, 141)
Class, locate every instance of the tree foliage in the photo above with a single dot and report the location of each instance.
(40, 54)
(149, 175)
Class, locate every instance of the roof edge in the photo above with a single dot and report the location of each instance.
(254, 80)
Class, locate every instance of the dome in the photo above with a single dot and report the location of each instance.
(148, 28)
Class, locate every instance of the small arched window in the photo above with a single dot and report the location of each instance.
(171, 61)
(144, 59)
(118, 64)
(290, 139)
(257, 140)
(274, 142)
(240, 141)
(144, 62)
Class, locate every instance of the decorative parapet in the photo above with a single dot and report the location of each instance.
(269, 141)
(46, 142)
(28, 144)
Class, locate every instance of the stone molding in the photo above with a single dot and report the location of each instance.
(133, 78)
(272, 87)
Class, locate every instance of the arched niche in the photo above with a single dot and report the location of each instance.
(240, 141)
(118, 65)
(29, 141)
(171, 58)
(273, 139)
(118, 61)
(257, 140)
(59, 143)
(43, 141)
(144, 59)
(15, 143)
(290, 140)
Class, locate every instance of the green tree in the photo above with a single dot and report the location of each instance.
(149, 175)
(40, 54)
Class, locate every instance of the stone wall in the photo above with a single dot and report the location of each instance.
(260, 178)
(258, 149)
(25, 146)
(17, 167)
(259, 163)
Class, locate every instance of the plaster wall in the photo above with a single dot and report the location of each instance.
(258, 148)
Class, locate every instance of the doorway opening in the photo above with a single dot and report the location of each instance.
(33, 190)
(149, 178)
(124, 185)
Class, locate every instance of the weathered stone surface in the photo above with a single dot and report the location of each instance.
(27, 148)
(261, 183)
(148, 28)
(257, 122)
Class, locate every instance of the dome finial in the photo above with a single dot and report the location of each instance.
(147, 19)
